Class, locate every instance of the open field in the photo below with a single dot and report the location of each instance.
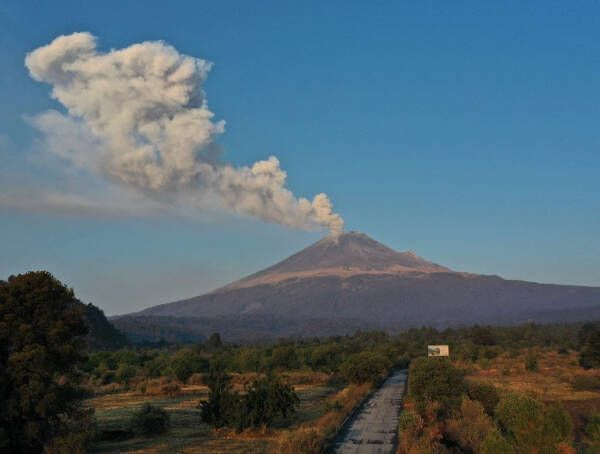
(551, 382)
(188, 433)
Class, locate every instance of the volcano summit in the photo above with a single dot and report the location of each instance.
(352, 279)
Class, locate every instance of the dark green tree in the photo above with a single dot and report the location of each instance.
(186, 363)
(42, 340)
(214, 341)
(222, 403)
(482, 335)
(590, 352)
(264, 401)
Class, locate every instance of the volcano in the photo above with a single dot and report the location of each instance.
(351, 281)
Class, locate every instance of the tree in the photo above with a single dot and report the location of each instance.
(42, 341)
(221, 404)
(284, 357)
(263, 402)
(482, 335)
(186, 363)
(214, 341)
(590, 352)
(266, 400)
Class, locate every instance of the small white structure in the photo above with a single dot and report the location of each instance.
(438, 350)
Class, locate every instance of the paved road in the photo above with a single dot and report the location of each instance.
(373, 429)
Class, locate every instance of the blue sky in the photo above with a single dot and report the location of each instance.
(466, 132)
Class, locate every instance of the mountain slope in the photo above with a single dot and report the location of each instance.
(355, 277)
(344, 255)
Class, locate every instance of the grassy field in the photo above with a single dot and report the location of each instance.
(188, 433)
(552, 381)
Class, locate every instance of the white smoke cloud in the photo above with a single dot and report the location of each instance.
(138, 116)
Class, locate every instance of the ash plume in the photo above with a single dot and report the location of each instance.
(138, 116)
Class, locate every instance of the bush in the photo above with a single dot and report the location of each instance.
(531, 362)
(125, 373)
(471, 427)
(495, 443)
(532, 427)
(436, 380)
(486, 394)
(417, 436)
(365, 367)
(585, 383)
(592, 432)
(186, 363)
(76, 434)
(305, 440)
(266, 400)
(150, 420)
(410, 424)
(590, 352)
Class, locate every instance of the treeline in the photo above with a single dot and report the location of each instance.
(356, 358)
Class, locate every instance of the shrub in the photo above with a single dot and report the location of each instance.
(590, 352)
(186, 363)
(592, 432)
(266, 400)
(365, 367)
(531, 361)
(486, 394)
(285, 357)
(125, 373)
(410, 424)
(76, 434)
(416, 436)
(585, 383)
(436, 379)
(558, 426)
(150, 420)
(495, 443)
(305, 440)
(471, 427)
(532, 427)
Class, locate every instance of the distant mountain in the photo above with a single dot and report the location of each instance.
(353, 277)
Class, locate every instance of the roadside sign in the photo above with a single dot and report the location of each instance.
(438, 350)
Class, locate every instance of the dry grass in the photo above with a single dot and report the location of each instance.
(189, 434)
(551, 382)
(310, 437)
